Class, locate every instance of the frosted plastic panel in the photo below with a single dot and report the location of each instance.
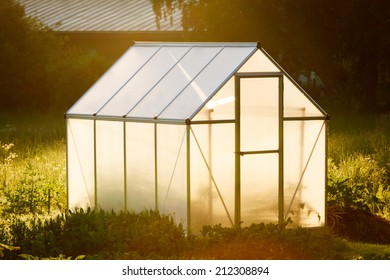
(217, 145)
(174, 82)
(259, 188)
(296, 104)
(80, 163)
(220, 69)
(112, 80)
(303, 155)
(221, 106)
(172, 182)
(259, 114)
(201, 183)
(140, 166)
(259, 62)
(110, 165)
(143, 81)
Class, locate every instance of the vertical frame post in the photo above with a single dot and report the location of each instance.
(237, 180)
(155, 170)
(326, 170)
(281, 153)
(67, 164)
(124, 166)
(95, 165)
(188, 156)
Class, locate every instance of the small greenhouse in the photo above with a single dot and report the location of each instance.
(212, 133)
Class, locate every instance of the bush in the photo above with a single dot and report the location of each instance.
(32, 186)
(359, 182)
(97, 234)
(38, 68)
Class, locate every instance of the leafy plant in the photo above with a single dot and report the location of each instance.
(7, 247)
(358, 182)
(95, 233)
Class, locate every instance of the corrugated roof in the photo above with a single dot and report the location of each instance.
(100, 15)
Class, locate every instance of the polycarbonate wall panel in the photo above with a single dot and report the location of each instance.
(80, 164)
(143, 81)
(304, 170)
(259, 188)
(259, 114)
(201, 182)
(140, 166)
(112, 80)
(172, 175)
(207, 82)
(296, 104)
(110, 165)
(212, 171)
(221, 106)
(222, 151)
(259, 62)
(174, 82)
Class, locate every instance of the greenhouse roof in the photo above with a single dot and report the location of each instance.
(163, 81)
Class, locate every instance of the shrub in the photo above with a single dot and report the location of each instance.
(97, 234)
(358, 182)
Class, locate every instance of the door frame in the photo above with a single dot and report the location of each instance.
(239, 153)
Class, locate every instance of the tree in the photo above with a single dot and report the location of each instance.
(344, 41)
(37, 67)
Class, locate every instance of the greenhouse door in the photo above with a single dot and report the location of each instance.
(259, 148)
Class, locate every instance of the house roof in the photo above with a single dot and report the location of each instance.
(164, 81)
(100, 15)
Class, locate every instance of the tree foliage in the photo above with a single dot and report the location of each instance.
(38, 68)
(345, 42)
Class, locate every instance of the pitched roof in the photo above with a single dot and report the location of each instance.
(100, 15)
(165, 81)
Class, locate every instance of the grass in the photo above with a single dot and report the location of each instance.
(366, 134)
(39, 142)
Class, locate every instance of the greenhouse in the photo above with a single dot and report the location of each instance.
(211, 133)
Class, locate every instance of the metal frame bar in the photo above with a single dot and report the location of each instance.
(188, 168)
(326, 171)
(237, 148)
(132, 119)
(306, 118)
(259, 74)
(243, 153)
(67, 164)
(95, 166)
(281, 153)
(213, 122)
(146, 120)
(125, 166)
(155, 170)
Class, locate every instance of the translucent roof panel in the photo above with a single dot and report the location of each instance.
(103, 90)
(209, 81)
(141, 83)
(174, 82)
